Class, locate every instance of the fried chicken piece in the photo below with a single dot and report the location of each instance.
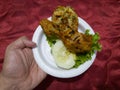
(65, 16)
(66, 28)
(49, 27)
(76, 42)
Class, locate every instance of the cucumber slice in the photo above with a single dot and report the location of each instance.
(63, 58)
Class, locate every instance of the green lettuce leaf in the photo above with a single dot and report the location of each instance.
(96, 46)
(51, 40)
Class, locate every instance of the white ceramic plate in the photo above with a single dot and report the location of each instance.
(45, 60)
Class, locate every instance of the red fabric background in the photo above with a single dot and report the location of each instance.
(21, 17)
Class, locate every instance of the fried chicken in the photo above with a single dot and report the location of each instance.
(65, 16)
(64, 25)
(49, 27)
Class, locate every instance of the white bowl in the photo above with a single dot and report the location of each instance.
(45, 60)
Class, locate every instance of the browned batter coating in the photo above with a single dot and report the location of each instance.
(49, 27)
(65, 16)
(65, 27)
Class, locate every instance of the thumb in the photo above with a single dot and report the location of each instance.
(23, 42)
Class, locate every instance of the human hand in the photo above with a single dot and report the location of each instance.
(20, 70)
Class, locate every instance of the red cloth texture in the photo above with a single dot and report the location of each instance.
(21, 17)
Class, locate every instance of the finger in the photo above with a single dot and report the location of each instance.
(23, 42)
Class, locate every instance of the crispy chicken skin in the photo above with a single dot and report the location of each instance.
(49, 27)
(66, 28)
(65, 16)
